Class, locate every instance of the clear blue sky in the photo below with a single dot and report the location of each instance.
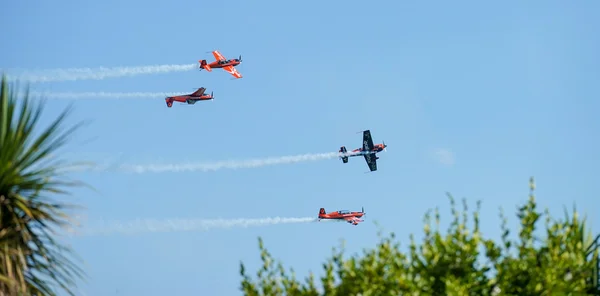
(510, 90)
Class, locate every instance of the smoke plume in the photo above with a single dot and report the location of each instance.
(203, 167)
(74, 74)
(232, 164)
(178, 225)
(107, 95)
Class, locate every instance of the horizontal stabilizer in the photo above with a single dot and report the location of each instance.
(204, 65)
(344, 157)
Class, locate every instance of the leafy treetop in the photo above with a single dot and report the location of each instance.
(451, 263)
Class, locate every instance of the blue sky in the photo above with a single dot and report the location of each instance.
(508, 90)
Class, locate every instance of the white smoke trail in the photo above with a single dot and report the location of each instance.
(178, 225)
(107, 95)
(203, 167)
(74, 74)
(232, 164)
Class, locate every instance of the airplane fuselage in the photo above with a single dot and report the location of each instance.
(186, 99)
(218, 64)
(359, 151)
(368, 151)
(342, 215)
(338, 216)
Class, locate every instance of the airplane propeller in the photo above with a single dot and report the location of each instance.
(240, 58)
(363, 211)
(384, 146)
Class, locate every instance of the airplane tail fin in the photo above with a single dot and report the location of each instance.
(204, 65)
(344, 157)
(322, 211)
(169, 102)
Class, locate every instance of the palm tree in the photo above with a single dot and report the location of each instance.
(32, 261)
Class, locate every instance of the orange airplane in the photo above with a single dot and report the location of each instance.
(222, 62)
(368, 150)
(350, 217)
(191, 98)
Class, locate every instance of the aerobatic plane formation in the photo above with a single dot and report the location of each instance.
(220, 62)
(368, 150)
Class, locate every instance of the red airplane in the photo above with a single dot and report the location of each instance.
(222, 62)
(191, 98)
(368, 150)
(350, 217)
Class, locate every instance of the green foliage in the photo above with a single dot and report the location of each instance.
(460, 262)
(32, 261)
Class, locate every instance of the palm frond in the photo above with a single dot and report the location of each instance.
(32, 261)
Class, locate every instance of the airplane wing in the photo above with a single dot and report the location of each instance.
(218, 56)
(371, 161)
(352, 220)
(367, 140)
(233, 71)
(199, 92)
